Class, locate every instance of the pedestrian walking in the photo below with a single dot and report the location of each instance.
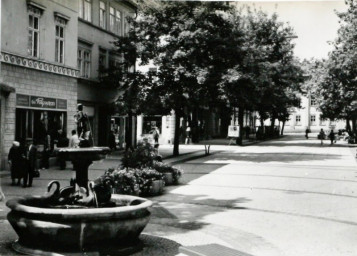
(46, 152)
(332, 137)
(15, 160)
(111, 141)
(188, 135)
(307, 131)
(322, 136)
(74, 140)
(31, 167)
(63, 142)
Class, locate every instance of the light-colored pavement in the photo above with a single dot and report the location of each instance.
(285, 197)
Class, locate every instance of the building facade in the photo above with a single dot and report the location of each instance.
(309, 116)
(51, 51)
(39, 65)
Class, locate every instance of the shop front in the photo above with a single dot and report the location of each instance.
(38, 116)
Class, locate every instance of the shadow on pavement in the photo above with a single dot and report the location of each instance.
(284, 157)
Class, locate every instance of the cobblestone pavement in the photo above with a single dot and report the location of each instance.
(283, 197)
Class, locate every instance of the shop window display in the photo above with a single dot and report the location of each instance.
(35, 124)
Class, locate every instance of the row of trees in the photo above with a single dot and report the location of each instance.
(336, 77)
(208, 54)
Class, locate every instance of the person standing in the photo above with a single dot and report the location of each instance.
(74, 140)
(307, 131)
(31, 164)
(62, 143)
(322, 136)
(111, 141)
(332, 136)
(188, 135)
(46, 152)
(15, 160)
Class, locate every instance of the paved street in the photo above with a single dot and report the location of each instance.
(284, 197)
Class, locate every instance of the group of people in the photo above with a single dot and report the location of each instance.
(22, 159)
(332, 136)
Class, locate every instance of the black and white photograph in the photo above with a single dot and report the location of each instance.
(178, 128)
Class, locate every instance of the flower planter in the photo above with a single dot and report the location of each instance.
(168, 178)
(156, 188)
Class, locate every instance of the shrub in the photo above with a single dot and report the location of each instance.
(165, 168)
(143, 156)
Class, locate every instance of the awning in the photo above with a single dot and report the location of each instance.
(6, 89)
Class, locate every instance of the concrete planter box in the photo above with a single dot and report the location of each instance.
(77, 230)
(168, 178)
(157, 188)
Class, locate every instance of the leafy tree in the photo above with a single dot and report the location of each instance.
(337, 90)
(185, 40)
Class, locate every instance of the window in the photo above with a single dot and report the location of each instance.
(112, 19)
(313, 119)
(59, 44)
(102, 15)
(85, 9)
(126, 25)
(322, 121)
(34, 35)
(313, 102)
(102, 59)
(118, 22)
(298, 120)
(84, 62)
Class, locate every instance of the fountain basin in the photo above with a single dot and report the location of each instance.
(77, 230)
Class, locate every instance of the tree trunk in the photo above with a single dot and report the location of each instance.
(241, 125)
(354, 128)
(273, 118)
(194, 125)
(348, 125)
(129, 132)
(177, 134)
(282, 128)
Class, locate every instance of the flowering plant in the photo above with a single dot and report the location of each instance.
(165, 168)
(125, 181)
(144, 155)
(146, 177)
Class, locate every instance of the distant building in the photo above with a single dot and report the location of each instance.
(309, 116)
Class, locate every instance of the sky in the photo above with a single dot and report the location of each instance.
(314, 22)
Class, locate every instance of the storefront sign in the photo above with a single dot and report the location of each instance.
(40, 102)
(22, 100)
(62, 104)
(233, 131)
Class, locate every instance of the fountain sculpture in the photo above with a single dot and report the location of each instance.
(80, 218)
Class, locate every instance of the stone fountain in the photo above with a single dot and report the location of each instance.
(76, 219)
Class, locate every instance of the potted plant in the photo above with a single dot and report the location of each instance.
(125, 181)
(151, 182)
(171, 174)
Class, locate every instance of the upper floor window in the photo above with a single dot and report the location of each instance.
(85, 9)
(102, 15)
(34, 35)
(118, 22)
(313, 102)
(112, 19)
(298, 120)
(102, 59)
(59, 44)
(84, 62)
